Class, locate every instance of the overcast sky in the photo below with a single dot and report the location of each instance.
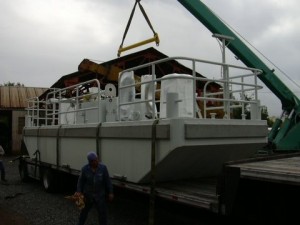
(42, 40)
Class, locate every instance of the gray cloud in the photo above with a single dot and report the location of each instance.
(42, 40)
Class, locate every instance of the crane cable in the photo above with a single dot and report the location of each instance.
(155, 38)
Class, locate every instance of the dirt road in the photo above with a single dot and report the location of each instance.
(11, 218)
(28, 204)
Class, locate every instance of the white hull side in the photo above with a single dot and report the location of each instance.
(185, 148)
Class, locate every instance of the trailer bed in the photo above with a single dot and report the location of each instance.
(283, 169)
(218, 194)
(195, 192)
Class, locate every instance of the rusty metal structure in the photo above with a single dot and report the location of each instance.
(108, 72)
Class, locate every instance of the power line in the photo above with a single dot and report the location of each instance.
(288, 77)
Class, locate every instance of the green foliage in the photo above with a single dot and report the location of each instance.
(270, 122)
(264, 113)
(237, 112)
(12, 84)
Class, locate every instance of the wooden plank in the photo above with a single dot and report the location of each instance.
(14, 97)
(281, 170)
(30, 93)
(39, 91)
(23, 97)
(5, 102)
(291, 165)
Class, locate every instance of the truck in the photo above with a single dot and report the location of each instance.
(158, 135)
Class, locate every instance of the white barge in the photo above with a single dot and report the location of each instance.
(150, 121)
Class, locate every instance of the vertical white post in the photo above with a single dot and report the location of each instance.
(172, 105)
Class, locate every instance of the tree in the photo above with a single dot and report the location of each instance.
(237, 112)
(264, 113)
(12, 84)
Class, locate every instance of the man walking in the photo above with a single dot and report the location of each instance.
(95, 185)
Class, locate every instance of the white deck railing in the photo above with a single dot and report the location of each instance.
(75, 105)
(237, 82)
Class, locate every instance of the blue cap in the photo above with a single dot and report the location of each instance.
(92, 156)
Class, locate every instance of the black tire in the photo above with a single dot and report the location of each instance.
(49, 181)
(23, 171)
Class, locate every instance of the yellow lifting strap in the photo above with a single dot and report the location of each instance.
(154, 39)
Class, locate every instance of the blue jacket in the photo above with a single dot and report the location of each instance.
(94, 185)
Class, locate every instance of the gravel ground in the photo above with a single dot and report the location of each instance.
(28, 204)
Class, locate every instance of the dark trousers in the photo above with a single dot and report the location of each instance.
(2, 169)
(101, 209)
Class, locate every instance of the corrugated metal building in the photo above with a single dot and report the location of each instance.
(13, 102)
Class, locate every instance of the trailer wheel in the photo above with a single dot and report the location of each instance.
(23, 171)
(48, 180)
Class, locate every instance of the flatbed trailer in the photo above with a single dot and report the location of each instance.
(199, 193)
(280, 173)
(263, 187)
(278, 169)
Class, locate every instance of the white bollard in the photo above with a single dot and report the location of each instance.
(172, 105)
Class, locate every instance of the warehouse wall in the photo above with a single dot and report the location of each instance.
(18, 122)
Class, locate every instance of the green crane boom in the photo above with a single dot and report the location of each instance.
(281, 139)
